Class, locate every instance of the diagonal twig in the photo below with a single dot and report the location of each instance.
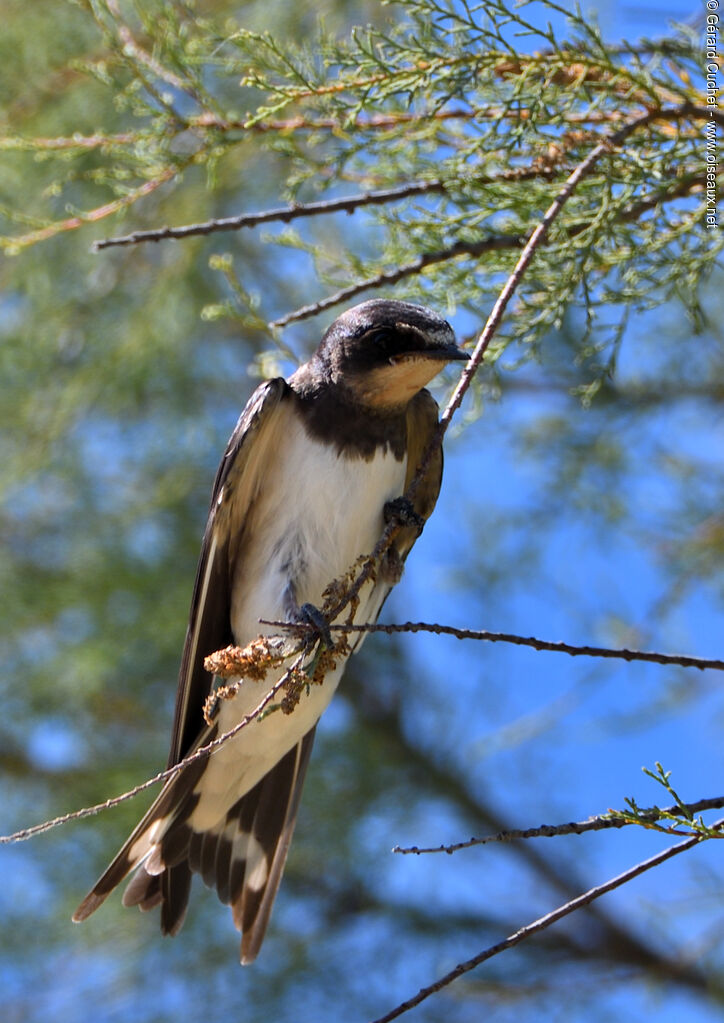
(491, 326)
(600, 823)
(41, 234)
(389, 277)
(281, 214)
(542, 923)
(202, 752)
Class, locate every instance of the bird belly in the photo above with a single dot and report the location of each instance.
(317, 512)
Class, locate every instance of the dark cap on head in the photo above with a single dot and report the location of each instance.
(380, 330)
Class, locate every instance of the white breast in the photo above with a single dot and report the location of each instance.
(316, 513)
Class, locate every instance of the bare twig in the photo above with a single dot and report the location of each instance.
(492, 324)
(283, 214)
(348, 204)
(162, 776)
(390, 277)
(601, 823)
(542, 923)
(573, 650)
(72, 223)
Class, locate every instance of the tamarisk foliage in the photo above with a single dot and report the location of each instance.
(191, 188)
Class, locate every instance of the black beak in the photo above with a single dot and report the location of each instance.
(451, 354)
(457, 355)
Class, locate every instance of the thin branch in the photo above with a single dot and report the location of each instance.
(209, 121)
(601, 823)
(573, 650)
(162, 776)
(479, 248)
(283, 214)
(348, 204)
(542, 923)
(14, 243)
(68, 141)
(491, 326)
(393, 120)
(581, 68)
(390, 277)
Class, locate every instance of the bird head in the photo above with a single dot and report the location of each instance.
(383, 352)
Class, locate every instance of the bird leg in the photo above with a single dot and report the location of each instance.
(401, 512)
(307, 614)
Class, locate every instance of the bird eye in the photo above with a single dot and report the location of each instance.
(380, 337)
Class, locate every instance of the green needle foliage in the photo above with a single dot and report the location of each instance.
(411, 150)
(484, 106)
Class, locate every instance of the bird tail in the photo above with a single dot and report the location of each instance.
(242, 856)
(176, 801)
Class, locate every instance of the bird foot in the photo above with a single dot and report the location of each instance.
(391, 567)
(308, 614)
(401, 512)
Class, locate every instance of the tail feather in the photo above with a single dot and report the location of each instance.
(242, 856)
(134, 851)
(208, 857)
(222, 867)
(175, 889)
(143, 890)
(272, 829)
(177, 794)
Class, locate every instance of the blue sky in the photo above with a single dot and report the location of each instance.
(544, 737)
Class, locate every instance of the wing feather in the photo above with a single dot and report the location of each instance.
(422, 421)
(209, 629)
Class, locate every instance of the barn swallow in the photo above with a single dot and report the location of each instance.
(313, 470)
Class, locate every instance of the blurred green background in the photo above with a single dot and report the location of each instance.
(120, 380)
